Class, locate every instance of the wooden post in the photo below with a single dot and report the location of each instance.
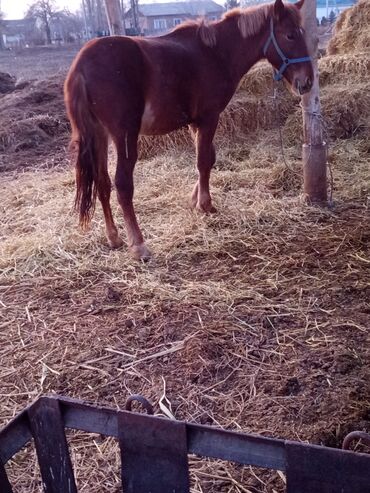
(314, 152)
(47, 426)
(154, 454)
(114, 16)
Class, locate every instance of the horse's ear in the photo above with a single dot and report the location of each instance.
(299, 4)
(278, 9)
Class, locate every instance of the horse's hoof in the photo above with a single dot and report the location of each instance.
(140, 252)
(115, 242)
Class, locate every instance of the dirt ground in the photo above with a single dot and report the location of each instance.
(37, 62)
(254, 319)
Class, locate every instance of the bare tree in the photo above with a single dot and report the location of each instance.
(45, 10)
(90, 14)
(93, 12)
(99, 14)
(68, 26)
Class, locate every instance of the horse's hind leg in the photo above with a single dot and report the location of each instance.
(126, 158)
(104, 192)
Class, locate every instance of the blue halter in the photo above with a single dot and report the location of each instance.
(286, 61)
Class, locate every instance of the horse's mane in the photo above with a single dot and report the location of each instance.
(205, 30)
(249, 20)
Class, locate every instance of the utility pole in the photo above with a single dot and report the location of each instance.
(314, 152)
(114, 16)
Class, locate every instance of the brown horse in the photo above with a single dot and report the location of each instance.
(125, 87)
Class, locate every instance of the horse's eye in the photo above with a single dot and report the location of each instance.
(290, 37)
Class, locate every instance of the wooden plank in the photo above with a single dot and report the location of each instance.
(153, 454)
(51, 446)
(81, 416)
(242, 448)
(5, 486)
(202, 440)
(15, 435)
(324, 470)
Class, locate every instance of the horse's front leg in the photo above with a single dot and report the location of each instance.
(206, 156)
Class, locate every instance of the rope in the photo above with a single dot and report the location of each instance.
(276, 100)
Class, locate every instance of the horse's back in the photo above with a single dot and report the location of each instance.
(113, 70)
(113, 57)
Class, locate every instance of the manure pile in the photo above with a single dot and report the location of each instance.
(7, 83)
(33, 123)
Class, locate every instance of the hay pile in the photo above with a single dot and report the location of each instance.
(32, 122)
(343, 117)
(344, 84)
(7, 83)
(349, 68)
(258, 81)
(351, 32)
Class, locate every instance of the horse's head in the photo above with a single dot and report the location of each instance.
(286, 47)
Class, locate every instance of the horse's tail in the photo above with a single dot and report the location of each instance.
(85, 143)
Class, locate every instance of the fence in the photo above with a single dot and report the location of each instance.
(154, 450)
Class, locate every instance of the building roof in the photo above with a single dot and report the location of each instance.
(191, 8)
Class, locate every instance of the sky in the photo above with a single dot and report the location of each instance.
(15, 9)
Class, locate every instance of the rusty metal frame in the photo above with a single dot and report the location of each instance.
(154, 450)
